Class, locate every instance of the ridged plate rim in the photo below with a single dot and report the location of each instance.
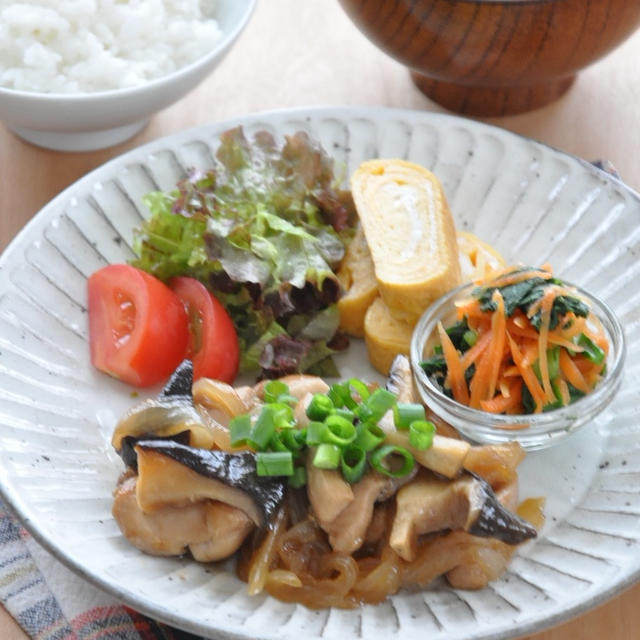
(379, 117)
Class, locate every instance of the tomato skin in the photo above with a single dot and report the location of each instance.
(138, 328)
(213, 346)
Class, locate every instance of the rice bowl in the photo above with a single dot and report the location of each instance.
(86, 120)
(86, 46)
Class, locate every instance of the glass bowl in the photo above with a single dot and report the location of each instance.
(532, 431)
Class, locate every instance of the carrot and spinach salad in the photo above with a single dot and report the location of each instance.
(523, 342)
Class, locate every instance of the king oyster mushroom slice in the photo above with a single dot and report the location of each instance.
(210, 530)
(329, 493)
(446, 455)
(400, 380)
(430, 504)
(172, 474)
(348, 529)
(171, 414)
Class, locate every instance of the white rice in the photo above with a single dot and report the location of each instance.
(71, 46)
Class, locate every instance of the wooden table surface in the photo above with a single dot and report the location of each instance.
(302, 54)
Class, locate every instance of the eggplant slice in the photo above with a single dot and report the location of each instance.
(430, 504)
(171, 415)
(172, 474)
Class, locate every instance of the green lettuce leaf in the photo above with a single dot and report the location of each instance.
(264, 229)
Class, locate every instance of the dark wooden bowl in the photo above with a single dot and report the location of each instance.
(494, 57)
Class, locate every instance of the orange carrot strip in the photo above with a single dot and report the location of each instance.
(455, 372)
(480, 378)
(530, 353)
(498, 331)
(571, 372)
(511, 372)
(514, 278)
(469, 307)
(522, 332)
(562, 342)
(505, 404)
(528, 376)
(497, 404)
(516, 395)
(471, 355)
(575, 328)
(543, 342)
(563, 388)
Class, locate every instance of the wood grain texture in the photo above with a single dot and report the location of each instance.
(494, 58)
(291, 58)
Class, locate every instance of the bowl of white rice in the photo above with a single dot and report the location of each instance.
(78, 75)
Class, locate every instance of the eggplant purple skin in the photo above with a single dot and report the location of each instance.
(178, 386)
(180, 382)
(495, 521)
(237, 470)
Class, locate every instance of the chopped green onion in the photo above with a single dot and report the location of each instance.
(386, 460)
(327, 456)
(240, 429)
(300, 436)
(282, 415)
(276, 443)
(591, 350)
(289, 438)
(353, 463)
(368, 436)
(264, 428)
(339, 431)
(316, 433)
(345, 413)
(364, 413)
(341, 396)
(320, 407)
(379, 402)
(360, 388)
(273, 389)
(274, 463)
(421, 434)
(404, 413)
(299, 478)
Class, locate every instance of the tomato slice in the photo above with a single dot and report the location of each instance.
(213, 346)
(138, 328)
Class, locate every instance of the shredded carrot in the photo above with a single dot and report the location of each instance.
(471, 355)
(520, 276)
(529, 352)
(543, 342)
(502, 403)
(455, 374)
(573, 326)
(571, 372)
(478, 386)
(528, 376)
(511, 371)
(469, 308)
(511, 353)
(498, 331)
(563, 388)
(554, 337)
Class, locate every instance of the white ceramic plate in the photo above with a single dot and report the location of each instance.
(56, 414)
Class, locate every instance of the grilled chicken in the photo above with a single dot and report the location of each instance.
(210, 530)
